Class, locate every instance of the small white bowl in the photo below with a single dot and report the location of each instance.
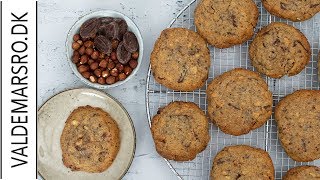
(75, 30)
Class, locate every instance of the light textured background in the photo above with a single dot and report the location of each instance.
(55, 18)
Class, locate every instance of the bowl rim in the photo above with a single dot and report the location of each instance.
(97, 14)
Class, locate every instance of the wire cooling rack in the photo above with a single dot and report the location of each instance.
(223, 60)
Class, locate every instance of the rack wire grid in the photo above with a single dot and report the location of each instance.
(223, 60)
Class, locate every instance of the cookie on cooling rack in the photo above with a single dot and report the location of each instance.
(90, 140)
(242, 162)
(180, 59)
(226, 23)
(239, 101)
(292, 9)
(279, 49)
(298, 120)
(303, 173)
(180, 131)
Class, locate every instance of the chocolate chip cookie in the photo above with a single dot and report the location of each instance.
(180, 59)
(298, 119)
(279, 49)
(239, 101)
(90, 140)
(226, 23)
(242, 162)
(303, 173)
(180, 131)
(292, 9)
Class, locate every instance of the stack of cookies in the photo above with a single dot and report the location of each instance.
(239, 100)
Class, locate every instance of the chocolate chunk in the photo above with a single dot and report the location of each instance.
(106, 20)
(122, 54)
(130, 42)
(283, 6)
(110, 30)
(234, 21)
(314, 5)
(123, 28)
(89, 28)
(103, 44)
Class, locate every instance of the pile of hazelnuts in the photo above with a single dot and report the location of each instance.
(105, 52)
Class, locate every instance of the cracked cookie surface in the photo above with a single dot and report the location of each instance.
(90, 140)
(294, 10)
(303, 173)
(180, 59)
(242, 162)
(279, 49)
(180, 131)
(226, 23)
(239, 101)
(298, 121)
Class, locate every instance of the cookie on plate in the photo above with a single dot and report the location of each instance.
(242, 162)
(303, 173)
(239, 101)
(298, 120)
(226, 23)
(180, 59)
(180, 131)
(292, 9)
(279, 49)
(90, 140)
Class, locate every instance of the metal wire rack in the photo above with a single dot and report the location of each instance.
(223, 60)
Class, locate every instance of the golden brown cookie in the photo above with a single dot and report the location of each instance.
(298, 119)
(226, 23)
(303, 173)
(279, 49)
(242, 162)
(239, 101)
(180, 60)
(180, 131)
(294, 10)
(90, 140)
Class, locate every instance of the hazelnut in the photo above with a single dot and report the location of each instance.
(120, 67)
(110, 80)
(114, 43)
(114, 72)
(82, 50)
(127, 70)
(90, 61)
(98, 72)
(102, 55)
(103, 64)
(80, 42)
(95, 55)
(133, 63)
(93, 78)
(113, 55)
(94, 66)
(135, 55)
(76, 37)
(105, 73)
(75, 57)
(84, 59)
(76, 46)
(88, 44)
(86, 74)
(111, 65)
(83, 68)
(89, 51)
(101, 80)
(122, 76)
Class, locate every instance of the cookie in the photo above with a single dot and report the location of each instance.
(239, 101)
(242, 162)
(90, 140)
(226, 23)
(180, 131)
(303, 173)
(180, 60)
(298, 120)
(279, 49)
(292, 9)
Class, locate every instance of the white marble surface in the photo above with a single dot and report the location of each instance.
(54, 74)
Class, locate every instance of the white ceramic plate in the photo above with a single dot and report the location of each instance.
(51, 118)
(105, 13)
